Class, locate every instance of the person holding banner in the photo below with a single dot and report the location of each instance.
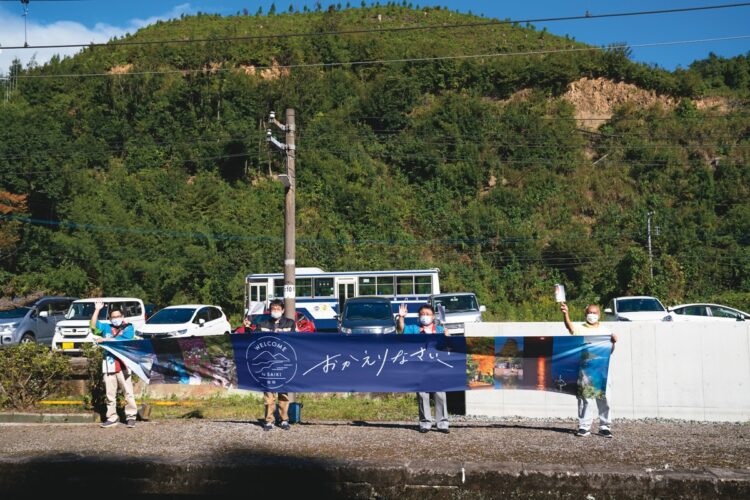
(427, 325)
(585, 406)
(277, 323)
(116, 374)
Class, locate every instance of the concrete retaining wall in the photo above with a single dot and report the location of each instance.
(691, 371)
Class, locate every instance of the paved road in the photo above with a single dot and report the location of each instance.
(689, 451)
(646, 444)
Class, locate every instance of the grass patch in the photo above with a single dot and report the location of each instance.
(333, 406)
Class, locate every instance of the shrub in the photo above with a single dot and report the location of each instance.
(29, 373)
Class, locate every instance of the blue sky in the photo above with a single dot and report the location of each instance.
(59, 22)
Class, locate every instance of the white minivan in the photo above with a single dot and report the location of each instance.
(74, 331)
(457, 309)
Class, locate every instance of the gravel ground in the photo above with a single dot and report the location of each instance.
(650, 444)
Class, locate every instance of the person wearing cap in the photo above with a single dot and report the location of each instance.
(427, 325)
(592, 326)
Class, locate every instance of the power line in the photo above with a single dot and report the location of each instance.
(497, 22)
(388, 61)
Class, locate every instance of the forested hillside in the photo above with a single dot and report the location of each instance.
(143, 169)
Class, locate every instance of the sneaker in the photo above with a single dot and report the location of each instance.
(268, 427)
(109, 424)
(605, 433)
(445, 431)
(284, 425)
(131, 423)
(424, 430)
(583, 432)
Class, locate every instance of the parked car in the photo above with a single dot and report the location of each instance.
(35, 323)
(637, 308)
(304, 324)
(367, 315)
(73, 332)
(185, 321)
(460, 308)
(705, 312)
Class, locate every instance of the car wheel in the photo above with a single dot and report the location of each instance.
(28, 338)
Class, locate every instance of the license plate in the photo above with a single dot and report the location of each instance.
(68, 345)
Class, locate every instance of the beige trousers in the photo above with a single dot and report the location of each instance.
(113, 381)
(269, 400)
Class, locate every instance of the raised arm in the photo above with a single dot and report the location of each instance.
(566, 318)
(402, 311)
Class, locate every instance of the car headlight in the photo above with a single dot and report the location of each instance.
(8, 327)
(390, 329)
(346, 330)
(177, 333)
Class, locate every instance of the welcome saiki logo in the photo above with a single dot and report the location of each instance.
(272, 362)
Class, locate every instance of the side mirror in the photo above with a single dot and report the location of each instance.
(608, 310)
(201, 322)
(482, 309)
(43, 314)
(740, 318)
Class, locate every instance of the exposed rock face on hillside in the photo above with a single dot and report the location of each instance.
(595, 99)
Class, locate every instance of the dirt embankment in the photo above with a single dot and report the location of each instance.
(596, 99)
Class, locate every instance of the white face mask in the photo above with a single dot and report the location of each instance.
(276, 314)
(116, 321)
(592, 318)
(425, 320)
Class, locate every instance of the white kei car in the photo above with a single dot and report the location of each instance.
(186, 321)
(635, 308)
(705, 312)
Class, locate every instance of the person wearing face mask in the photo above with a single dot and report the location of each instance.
(585, 406)
(277, 323)
(116, 374)
(427, 325)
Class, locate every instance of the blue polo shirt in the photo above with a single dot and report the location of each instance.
(417, 329)
(108, 364)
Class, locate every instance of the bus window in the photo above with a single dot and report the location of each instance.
(323, 287)
(367, 286)
(278, 288)
(405, 285)
(304, 287)
(423, 285)
(384, 285)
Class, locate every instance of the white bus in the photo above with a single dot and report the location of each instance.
(321, 294)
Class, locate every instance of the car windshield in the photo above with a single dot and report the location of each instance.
(638, 305)
(18, 312)
(84, 310)
(357, 311)
(171, 316)
(457, 303)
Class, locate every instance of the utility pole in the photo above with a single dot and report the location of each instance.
(650, 255)
(289, 180)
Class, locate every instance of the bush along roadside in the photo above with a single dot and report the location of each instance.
(30, 373)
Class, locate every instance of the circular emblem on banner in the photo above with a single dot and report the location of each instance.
(272, 362)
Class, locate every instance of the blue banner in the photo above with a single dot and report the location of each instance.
(373, 363)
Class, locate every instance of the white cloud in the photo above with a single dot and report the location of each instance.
(62, 33)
